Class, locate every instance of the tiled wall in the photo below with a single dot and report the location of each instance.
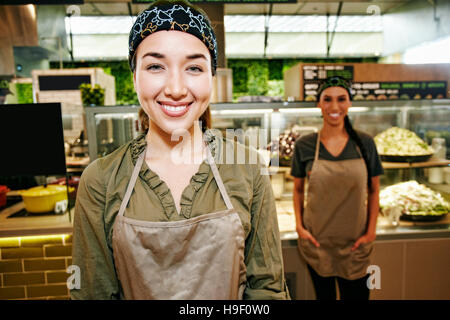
(35, 267)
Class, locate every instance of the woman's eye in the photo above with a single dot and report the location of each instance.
(195, 69)
(154, 67)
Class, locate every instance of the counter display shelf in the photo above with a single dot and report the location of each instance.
(33, 225)
(413, 257)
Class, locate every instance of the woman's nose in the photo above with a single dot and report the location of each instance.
(335, 104)
(176, 86)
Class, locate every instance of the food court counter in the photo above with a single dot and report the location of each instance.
(410, 261)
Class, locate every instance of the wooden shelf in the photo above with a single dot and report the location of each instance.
(406, 165)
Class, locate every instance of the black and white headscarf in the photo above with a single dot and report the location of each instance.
(172, 17)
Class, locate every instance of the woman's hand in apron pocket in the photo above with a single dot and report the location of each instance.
(366, 238)
(306, 235)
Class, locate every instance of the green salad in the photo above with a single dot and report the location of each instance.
(401, 142)
(414, 199)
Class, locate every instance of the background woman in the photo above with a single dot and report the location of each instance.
(337, 226)
(149, 226)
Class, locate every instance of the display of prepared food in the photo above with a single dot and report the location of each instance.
(284, 149)
(401, 142)
(415, 199)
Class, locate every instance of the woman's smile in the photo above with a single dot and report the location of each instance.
(174, 109)
(173, 79)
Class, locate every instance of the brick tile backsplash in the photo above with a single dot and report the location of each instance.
(12, 293)
(9, 242)
(13, 253)
(44, 264)
(35, 267)
(35, 291)
(10, 265)
(57, 251)
(23, 278)
(57, 276)
(39, 242)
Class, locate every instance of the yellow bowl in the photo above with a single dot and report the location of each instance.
(43, 199)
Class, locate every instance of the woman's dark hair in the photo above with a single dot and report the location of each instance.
(183, 3)
(337, 81)
(205, 118)
(354, 135)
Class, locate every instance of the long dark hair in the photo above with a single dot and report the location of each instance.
(353, 135)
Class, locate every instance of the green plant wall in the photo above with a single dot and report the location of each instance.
(24, 92)
(125, 94)
(265, 76)
(250, 76)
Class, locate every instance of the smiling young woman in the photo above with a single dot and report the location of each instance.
(337, 225)
(149, 227)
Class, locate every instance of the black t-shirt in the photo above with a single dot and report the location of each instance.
(305, 148)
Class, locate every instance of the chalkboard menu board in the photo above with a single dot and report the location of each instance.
(313, 75)
(401, 90)
(67, 82)
(31, 139)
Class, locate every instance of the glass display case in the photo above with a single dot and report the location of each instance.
(110, 127)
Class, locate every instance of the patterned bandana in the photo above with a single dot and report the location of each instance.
(172, 17)
(335, 82)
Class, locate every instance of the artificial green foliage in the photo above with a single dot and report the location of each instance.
(125, 93)
(24, 92)
(275, 88)
(275, 69)
(258, 77)
(250, 76)
(92, 95)
(240, 75)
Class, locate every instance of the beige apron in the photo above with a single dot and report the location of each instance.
(336, 215)
(192, 259)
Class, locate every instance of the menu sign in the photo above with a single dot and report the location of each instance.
(408, 90)
(313, 74)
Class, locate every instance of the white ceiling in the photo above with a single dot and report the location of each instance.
(349, 7)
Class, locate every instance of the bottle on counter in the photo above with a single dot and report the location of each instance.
(436, 175)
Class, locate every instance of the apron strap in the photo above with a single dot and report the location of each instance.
(138, 166)
(316, 155)
(132, 182)
(218, 178)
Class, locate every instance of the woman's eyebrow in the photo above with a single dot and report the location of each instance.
(340, 96)
(196, 56)
(153, 54)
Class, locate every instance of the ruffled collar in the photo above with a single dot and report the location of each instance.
(161, 189)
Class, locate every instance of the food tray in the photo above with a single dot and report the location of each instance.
(410, 159)
(282, 161)
(422, 217)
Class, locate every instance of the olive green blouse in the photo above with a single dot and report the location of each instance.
(101, 190)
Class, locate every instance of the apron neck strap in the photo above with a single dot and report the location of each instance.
(138, 166)
(316, 155)
(132, 182)
(218, 178)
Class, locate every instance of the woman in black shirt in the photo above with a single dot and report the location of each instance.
(336, 225)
